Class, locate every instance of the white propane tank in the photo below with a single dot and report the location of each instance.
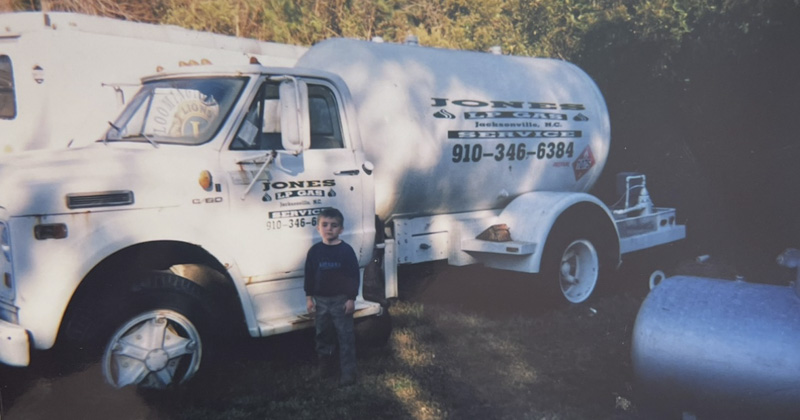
(453, 131)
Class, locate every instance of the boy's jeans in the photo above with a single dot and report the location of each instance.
(331, 321)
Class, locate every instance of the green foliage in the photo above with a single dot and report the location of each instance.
(297, 22)
(462, 24)
(465, 24)
(568, 29)
(135, 10)
(563, 28)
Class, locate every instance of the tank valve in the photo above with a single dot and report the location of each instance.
(644, 204)
(791, 258)
(644, 201)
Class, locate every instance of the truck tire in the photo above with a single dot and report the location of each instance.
(373, 331)
(153, 333)
(572, 263)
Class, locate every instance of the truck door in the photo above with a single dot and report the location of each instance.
(274, 222)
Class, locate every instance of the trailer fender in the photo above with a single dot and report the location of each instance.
(532, 217)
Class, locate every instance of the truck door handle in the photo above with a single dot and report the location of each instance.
(351, 172)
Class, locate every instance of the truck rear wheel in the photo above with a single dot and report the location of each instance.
(572, 263)
(374, 331)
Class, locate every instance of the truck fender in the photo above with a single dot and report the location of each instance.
(532, 216)
(193, 236)
(77, 261)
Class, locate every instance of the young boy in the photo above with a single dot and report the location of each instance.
(331, 286)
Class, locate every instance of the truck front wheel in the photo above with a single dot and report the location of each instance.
(156, 335)
(154, 349)
(149, 329)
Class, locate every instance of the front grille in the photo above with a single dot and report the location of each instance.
(102, 199)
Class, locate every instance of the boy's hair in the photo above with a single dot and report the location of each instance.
(332, 213)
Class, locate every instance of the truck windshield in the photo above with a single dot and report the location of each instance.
(177, 111)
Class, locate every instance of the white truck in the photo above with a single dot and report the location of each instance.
(63, 75)
(194, 213)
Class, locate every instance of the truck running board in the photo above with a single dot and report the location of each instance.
(302, 320)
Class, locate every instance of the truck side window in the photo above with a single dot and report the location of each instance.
(8, 102)
(261, 128)
(326, 132)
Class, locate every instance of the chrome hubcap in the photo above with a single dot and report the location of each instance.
(154, 350)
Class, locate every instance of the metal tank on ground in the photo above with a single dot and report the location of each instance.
(721, 347)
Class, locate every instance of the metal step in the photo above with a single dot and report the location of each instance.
(304, 320)
(505, 248)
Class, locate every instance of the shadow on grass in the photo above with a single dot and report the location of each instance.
(519, 354)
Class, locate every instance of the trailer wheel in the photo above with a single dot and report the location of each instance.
(572, 264)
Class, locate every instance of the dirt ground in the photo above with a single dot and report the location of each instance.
(468, 343)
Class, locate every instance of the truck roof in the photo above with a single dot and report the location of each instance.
(244, 69)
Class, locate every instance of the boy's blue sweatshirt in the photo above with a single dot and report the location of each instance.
(331, 270)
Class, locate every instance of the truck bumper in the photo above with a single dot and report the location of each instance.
(14, 344)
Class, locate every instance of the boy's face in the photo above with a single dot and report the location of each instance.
(329, 228)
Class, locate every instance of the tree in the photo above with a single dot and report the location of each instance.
(121, 9)
(462, 24)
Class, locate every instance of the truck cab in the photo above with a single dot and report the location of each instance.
(193, 215)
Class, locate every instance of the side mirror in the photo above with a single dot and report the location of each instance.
(295, 124)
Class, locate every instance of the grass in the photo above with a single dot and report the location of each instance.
(439, 363)
(443, 361)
